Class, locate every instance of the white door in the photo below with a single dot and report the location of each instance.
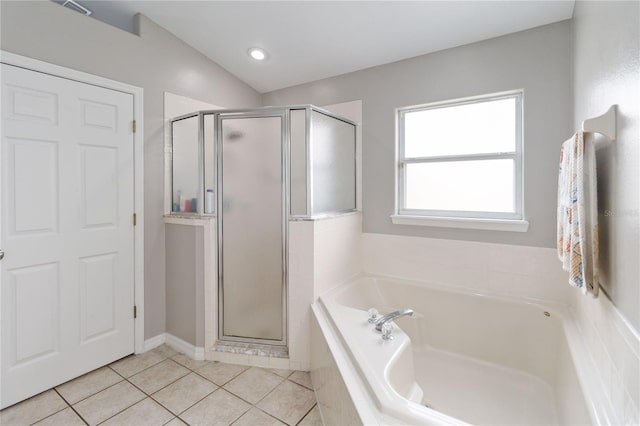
(66, 283)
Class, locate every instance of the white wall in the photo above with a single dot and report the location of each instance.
(337, 251)
(537, 60)
(155, 60)
(606, 40)
(322, 254)
(607, 72)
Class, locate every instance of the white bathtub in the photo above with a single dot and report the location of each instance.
(469, 357)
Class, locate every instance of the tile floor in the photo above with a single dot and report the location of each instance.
(163, 387)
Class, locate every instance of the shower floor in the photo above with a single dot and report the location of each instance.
(478, 392)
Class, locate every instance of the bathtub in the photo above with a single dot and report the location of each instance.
(462, 358)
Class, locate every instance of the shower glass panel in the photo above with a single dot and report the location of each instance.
(251, 228)
(298, 162)
(333, 143)
(209, 163)
(253, 171)
(185, 161)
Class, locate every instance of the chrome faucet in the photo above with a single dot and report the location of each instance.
(392, 316)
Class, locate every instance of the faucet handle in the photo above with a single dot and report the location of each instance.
(373, 315)
(387, 330)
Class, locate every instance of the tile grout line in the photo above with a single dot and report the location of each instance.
(239, 397)
(109, 367)
(146, 395)
(285, 380)
(169, 384)
(172, 419)
(307, 413)
(149, 394)
(146, 368)
(268, 414)
(300, 384)
(108, 387)
(48, 415)
(121, 411)
(255, 405)
(94, 394)
(225, 383)
(198, 374)
(269, 393)
(189, 407)
(70, 406)
(218, 387)
(165, 386)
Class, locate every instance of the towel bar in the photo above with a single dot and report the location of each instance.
(604, 124)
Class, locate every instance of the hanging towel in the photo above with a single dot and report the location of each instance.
(578, 214)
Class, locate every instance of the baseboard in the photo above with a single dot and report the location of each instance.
(193, 352)
(154, 342)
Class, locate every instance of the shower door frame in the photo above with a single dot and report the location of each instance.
(283, 114)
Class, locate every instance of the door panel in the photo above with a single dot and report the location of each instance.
(66, 229)
(97, 294)
(34, 291)
(33, 185)
(31, 105)
(99, 202)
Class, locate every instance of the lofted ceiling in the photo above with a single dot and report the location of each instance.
(312, 40)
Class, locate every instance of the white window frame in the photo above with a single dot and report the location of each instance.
(462, 219)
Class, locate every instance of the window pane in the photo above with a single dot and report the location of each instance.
(479, 186)
(477, 128)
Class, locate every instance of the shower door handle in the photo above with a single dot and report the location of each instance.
(1, 254)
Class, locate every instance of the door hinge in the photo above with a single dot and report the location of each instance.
(134, 126)
(135, 311)
(135, 219)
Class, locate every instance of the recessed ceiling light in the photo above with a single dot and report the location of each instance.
(257, 54)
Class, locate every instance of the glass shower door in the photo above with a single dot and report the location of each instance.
(251, 226)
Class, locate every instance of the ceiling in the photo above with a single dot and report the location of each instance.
(312, 40)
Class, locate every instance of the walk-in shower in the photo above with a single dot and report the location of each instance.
(254, 171)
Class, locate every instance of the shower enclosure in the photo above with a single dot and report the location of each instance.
(254, 171)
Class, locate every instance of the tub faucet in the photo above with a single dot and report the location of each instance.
(392, 316)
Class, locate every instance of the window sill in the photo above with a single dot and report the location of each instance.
(462, 223)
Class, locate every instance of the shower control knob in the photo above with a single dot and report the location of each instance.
(387, 329)
(373, 315)
(1, 254)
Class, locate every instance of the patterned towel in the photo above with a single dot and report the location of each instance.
(578, 214)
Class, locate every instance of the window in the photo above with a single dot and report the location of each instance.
(460, 163)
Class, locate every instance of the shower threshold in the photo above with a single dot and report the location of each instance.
(251, 349)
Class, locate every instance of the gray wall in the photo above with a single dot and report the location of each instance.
(537, 60)
(185, 282)
(606, 72)
(156, 61)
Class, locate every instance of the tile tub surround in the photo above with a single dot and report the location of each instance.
(162, 387)
(322, 254)
(614, 347)
(499, 269)
(520, 271)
